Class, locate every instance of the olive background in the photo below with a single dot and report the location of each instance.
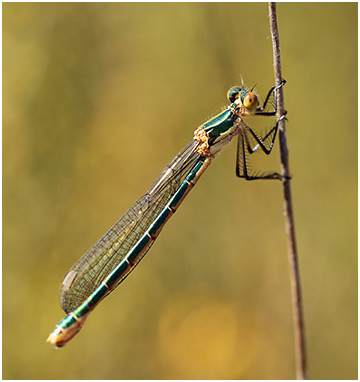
(97, 98)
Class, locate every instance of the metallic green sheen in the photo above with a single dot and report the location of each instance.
(218, 120)
(67, 322)
(159, 222)
(133, 254)
(113, 277)
(195, 170)
(218, 125)
(94, 298)
(220, 129)
(174, 201)
(84, 308)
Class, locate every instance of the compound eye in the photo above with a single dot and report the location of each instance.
(251, 101)
(233, 94)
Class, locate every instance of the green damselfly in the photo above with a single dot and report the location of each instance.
(110, 260)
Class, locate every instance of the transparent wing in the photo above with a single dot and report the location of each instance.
(101, 259)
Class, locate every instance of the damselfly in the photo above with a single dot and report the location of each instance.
(110, 260)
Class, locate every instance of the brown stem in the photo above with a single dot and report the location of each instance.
(289, 217)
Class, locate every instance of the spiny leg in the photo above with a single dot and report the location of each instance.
(261, 142)
(273, 90)
(242, 163)
(242, 166)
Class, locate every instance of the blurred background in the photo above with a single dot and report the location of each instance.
(97, 98)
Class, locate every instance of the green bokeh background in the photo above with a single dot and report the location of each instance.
(97, 98)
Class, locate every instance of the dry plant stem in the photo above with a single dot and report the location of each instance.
(289, 217)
